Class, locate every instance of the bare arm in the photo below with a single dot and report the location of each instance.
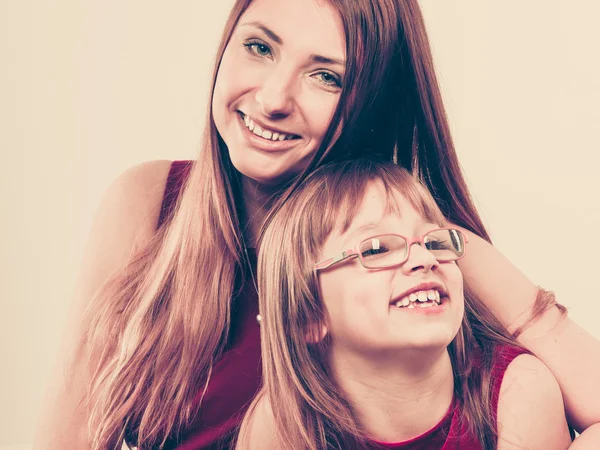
(127, 217)
(571, 353)
(531, 413)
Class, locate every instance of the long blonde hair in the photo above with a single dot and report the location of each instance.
(311, 411)
(157, 326)
(155, 329)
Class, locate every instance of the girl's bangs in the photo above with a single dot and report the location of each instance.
(337, 192)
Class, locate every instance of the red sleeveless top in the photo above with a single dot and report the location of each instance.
(236, 375)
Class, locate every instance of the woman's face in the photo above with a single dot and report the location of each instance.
(278, 85)
(361, 303)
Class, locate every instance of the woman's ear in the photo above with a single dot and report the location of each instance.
(315, 333)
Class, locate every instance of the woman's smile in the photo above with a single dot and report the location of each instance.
(267, 132)
(265, 138)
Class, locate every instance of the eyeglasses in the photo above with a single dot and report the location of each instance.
(389, 250)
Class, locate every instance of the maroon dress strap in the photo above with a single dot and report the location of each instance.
(178, 174)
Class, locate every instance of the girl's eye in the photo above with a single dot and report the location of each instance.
(258, 48)
(329, 79)
(437, 245)
(374, 251)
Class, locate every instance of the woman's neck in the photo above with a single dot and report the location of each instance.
(257, 199)
(397, 398)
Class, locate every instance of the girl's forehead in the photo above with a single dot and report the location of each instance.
(382, 205)
(380, 210)
(378, 202)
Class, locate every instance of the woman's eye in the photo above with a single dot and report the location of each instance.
(329, 79)
(258, 48)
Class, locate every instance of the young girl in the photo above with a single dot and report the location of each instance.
(164, 344)
(368, 340)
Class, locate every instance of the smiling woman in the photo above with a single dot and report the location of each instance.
(278, 87)
(165, 348)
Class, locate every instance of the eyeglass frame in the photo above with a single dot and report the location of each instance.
(354, 252)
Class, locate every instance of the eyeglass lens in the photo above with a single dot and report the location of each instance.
(389, 249)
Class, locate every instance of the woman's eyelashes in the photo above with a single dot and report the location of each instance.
(329, 79)
(326, 78)
(258, 49)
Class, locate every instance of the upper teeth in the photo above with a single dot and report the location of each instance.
(420, 298)
(265, 133)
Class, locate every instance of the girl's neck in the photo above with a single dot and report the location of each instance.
(400, 397)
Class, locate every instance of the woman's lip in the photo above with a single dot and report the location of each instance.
(267, 127)
(262, 143)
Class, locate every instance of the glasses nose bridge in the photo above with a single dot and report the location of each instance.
(412, 241)
(421, 243)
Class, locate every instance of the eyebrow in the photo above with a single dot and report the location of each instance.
(275, 37)
(265, 30)
(326, 60)
(360, 230)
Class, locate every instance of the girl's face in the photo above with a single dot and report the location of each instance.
(361, 303)
(278, 85)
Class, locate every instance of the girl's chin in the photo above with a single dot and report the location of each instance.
(402, 349)
(434, 341)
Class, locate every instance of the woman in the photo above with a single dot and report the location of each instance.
(170, 327)
(376, 346)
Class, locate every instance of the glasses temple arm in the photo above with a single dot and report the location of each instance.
(326, 263)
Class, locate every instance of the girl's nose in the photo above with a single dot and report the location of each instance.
(419, 259)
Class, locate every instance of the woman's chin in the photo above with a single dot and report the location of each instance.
(264, 173)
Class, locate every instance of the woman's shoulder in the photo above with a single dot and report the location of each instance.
(126, 218)
(136, 195)
(143, 185)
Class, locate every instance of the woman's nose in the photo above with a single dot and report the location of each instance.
(420, 259)
(275, 96)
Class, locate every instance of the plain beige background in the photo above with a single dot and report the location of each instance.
(89, 88)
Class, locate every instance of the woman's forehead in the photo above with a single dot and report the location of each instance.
(313, 26)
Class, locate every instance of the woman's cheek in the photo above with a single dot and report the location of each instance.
(319, 107)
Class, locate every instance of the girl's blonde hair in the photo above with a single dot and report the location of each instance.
(155, 329)
(311, 411)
